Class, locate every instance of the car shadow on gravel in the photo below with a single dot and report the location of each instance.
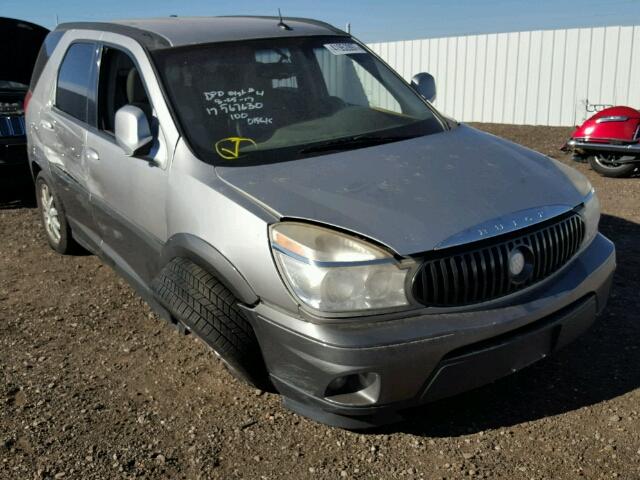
(600, 365)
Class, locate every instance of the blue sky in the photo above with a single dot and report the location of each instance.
(371, 21)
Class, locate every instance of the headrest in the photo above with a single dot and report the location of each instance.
(135, 88)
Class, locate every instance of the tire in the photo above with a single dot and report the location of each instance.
(54, 221)
(208, 309)
(608, 168)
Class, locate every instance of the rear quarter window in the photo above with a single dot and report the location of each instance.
(76, 84)
(48, 46)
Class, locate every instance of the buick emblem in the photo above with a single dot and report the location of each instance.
(516, 262)
(520, 263)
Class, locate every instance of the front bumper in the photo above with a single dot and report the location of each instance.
(429, 355)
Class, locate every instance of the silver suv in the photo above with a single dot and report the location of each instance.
(273, 187)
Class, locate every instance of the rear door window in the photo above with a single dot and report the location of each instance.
(47, 48)
(75, 92)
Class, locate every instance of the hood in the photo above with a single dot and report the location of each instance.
(419, 194)
(20, 43)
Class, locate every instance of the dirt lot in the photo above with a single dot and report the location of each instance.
(93, 385)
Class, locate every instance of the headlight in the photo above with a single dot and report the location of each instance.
(337, 273)
(591, 216)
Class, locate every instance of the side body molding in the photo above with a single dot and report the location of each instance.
(209, 258)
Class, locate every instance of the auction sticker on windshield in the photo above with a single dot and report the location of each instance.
(344, 48)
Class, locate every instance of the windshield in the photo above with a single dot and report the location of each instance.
(282, 99)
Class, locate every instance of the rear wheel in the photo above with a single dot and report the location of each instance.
(609, 166)
(54, 220)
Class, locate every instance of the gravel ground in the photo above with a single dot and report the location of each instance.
(94, 385)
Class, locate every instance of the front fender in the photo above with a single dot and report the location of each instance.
(209, 258)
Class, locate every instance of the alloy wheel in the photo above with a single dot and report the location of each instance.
(50, 214)
(607, 161)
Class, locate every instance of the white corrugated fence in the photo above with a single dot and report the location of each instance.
(544, 77)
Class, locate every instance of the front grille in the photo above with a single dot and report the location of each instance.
(479, 272)
(12, 126)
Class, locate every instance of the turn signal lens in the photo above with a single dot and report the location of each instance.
(591, 216)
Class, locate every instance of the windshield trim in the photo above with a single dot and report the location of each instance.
(308, 150)
(153, 55)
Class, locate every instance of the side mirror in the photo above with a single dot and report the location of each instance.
(133, 132)
(425, 85)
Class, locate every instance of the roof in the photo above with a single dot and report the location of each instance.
(155, 33)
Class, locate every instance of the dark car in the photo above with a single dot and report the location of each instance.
(20, 43)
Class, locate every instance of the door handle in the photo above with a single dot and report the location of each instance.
(91, 154)
(46, 124)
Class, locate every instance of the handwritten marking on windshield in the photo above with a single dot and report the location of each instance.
(233, 102)
(209, 96)
(229, 148)
(260, 121)
(232, 108)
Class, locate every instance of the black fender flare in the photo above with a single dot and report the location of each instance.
(206, 256)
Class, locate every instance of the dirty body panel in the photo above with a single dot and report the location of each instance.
(412, 195)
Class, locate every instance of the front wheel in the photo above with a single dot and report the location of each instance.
(202, 303)
(55, 223)
(608, 166)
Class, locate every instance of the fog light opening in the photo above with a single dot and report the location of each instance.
(354, 389)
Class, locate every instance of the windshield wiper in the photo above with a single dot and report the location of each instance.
(349, 143)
